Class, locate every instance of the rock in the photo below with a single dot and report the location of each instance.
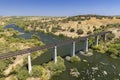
(67, 58)
(93, 79)
(74, 72)
(105, 72)
(113, 66)
(103, 63)
(94, 68)
(81, 52)
(119, 74)
(85, 61)
(98, 75)
(86, 54)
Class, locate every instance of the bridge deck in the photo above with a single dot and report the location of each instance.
(33, 49)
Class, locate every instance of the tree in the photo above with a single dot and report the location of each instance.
(80, 31)
(89, 32)
(72, 30)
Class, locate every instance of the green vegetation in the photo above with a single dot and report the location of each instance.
(89, 32)
(9, 42)
(37, 71)
(75, 59)
(35, 37)
(80, 31)
(3, 65)
(57, 68)
(22, 74)
(114, 49)
(74, 72)
(72, 30)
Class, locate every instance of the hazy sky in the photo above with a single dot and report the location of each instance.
(58, 7)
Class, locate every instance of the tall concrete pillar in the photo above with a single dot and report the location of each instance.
(86, 45)
(55, 54)
(104, 37)
(73, 48)
(96, 40)
(29, 63)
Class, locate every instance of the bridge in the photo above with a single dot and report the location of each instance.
(55, 45)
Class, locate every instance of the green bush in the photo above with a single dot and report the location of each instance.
(98, 48)
(22, 74)
(110, 36)
(37, 71)
(54, 29)
(35, 37)
(80, 31)
(72, 30)
(75, 59)
(112, 51)
(89, 32)
(57, 68)
(113, 56)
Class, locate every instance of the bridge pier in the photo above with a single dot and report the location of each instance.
(73, 48)
(104, 37)
(55, 54)
(29, 64)
(96, 40)
(86, 45)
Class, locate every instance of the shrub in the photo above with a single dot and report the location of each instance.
(61, 35)
(72, 30)
(98, 48)
(112, 51)
(54, 29)
(35, 37)
(37, 71)
(58, 67)
(75, 59)
(89, 32)
(113, 56)
(91, 42)
(22, 74)
(110, 36)
(80, 31)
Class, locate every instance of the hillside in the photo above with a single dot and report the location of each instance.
(68, 26)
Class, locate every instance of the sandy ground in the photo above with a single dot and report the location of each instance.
(116, 31)
(17, 62)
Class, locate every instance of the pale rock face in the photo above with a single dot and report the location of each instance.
(119, 74)
(105, 72)
(95, 68)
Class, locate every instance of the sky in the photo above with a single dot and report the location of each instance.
(58, 7)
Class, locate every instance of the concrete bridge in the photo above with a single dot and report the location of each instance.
(55, 45)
